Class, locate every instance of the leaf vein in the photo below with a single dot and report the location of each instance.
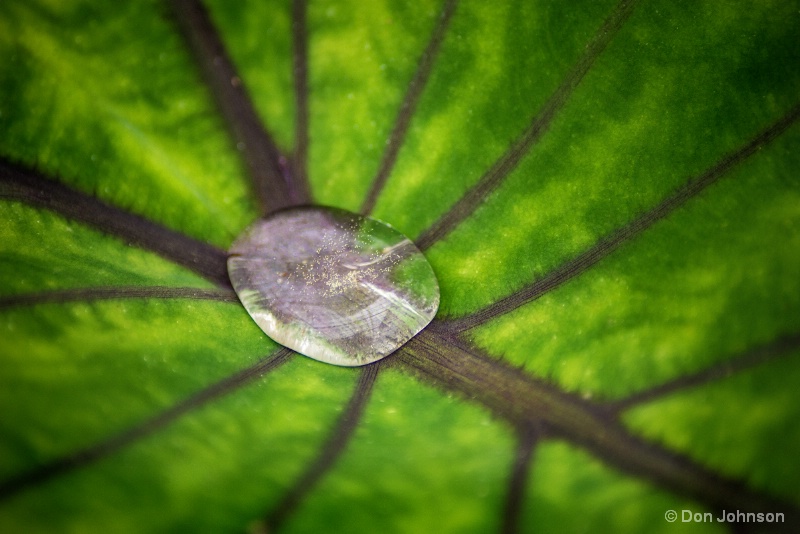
(90, 294)
(540, 123)
(103, 449)
(611, 242)
(408, 106)
(273, 185)
(25, 185)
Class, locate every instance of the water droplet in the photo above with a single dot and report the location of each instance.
(333, 285)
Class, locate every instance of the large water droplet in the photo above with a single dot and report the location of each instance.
(333, 285)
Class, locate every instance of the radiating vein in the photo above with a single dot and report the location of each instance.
(454, 365)
(498, 172)
(85, 457)
(518, 481)
(611, 242)
(300, 69)
(409, 104)
(435, 356)
(89, 294)
(777, 349)
(273, 184)
(330, 452)
(26, 185)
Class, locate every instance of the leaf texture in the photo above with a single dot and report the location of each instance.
(607, 192)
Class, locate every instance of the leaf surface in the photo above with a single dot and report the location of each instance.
(606, 191)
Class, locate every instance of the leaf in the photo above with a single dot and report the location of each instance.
(607, 193)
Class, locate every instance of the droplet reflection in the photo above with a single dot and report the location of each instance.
(333, 285)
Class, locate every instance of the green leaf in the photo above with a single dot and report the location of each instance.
(607, 193)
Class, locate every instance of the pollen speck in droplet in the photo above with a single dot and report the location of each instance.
(333, 285)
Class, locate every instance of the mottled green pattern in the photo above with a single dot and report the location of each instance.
(120, 117)
(128, 368)
(757, 411)
(253, 30)
(106, 98)
(452, 484)
(662, 92)
(498, 65)
(362, 56)
(702, 286)
(40, 251)
(614, 503)
(190, 469)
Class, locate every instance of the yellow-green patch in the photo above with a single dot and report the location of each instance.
(120, 118)
(662, 104)
(736, 426)
(419, 450)
(211, 471)
(41, 251)
(569, 491)
(716, 278)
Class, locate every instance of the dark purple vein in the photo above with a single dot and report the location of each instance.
(60, 466)
(409, 104)
(492, 179)
(89, 294)
(274, 186)
(300, 69)
(330, 452)
(450, 363)
(615, 239)
(25, 185)
(518, 482)
(778, 349)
